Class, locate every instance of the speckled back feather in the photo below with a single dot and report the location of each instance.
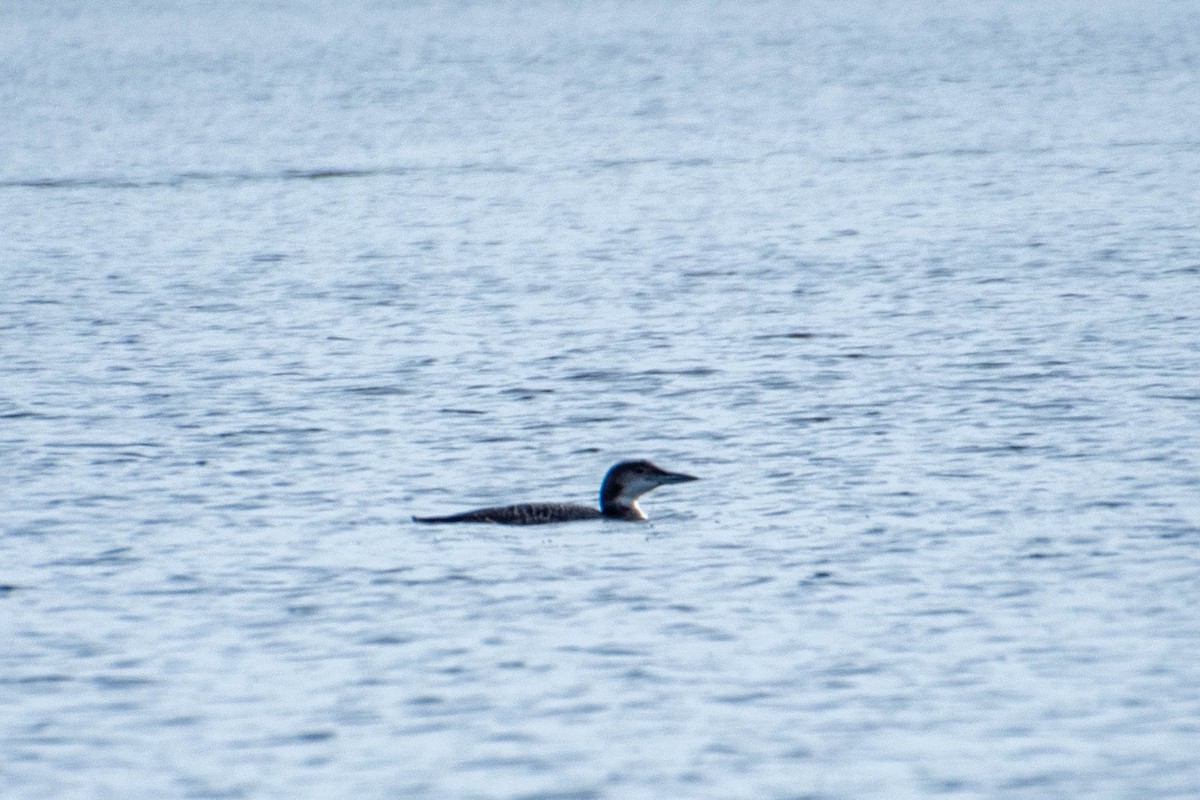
(522, 514)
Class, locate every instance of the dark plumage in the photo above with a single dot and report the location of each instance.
(623, 485)
(522, 514)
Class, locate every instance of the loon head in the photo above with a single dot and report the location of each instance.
(629, 480)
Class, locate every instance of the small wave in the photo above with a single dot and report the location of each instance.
(190, 177)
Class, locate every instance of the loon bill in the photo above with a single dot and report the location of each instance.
(623, 485)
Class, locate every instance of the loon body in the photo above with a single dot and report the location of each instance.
(623, 485)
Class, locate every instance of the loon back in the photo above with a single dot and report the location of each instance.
(521, 514)
(623, 485)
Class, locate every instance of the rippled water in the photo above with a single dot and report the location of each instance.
(914, 288)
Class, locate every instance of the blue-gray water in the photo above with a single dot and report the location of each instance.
(914, 287)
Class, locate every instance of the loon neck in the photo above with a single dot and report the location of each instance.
(615, 502)
(617, 510)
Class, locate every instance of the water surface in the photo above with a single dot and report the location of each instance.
(913, 289)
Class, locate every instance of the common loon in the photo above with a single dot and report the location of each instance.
(623, 485)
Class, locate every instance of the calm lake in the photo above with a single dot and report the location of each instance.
(914, 288)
